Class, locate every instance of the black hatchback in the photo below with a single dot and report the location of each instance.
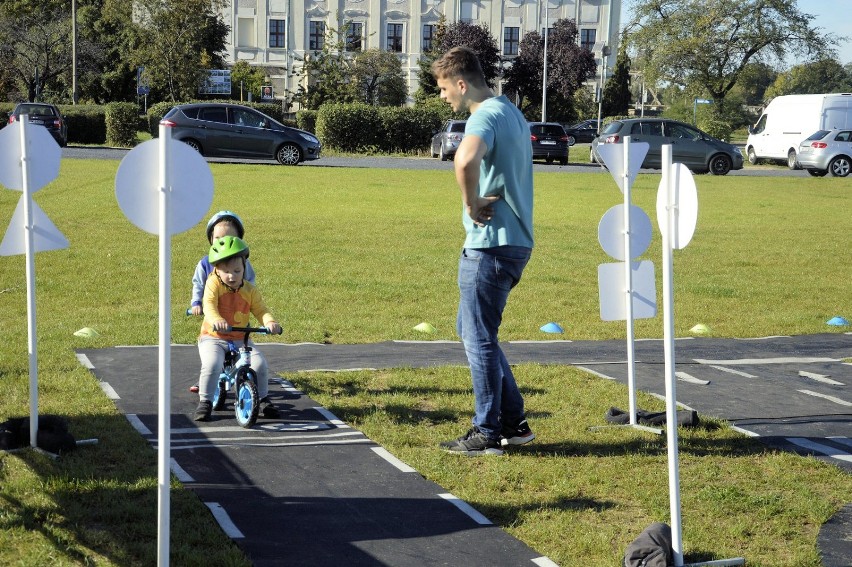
(47, 115)
(549, 142)
(236, 131)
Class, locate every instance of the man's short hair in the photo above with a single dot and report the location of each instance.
(460, 62)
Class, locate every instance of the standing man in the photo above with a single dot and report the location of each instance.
(493, 166)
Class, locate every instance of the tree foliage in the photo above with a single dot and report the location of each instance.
(823, 76)
(568, 67)
(710, 42)
(326, 74)
(251, 79)
(616, 94)
(378, 78)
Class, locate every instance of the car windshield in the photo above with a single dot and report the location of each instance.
(548, 129)
(457, 126)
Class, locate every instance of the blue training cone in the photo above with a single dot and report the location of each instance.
(837, 321)
(551, 328)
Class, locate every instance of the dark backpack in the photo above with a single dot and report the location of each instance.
(653, 548)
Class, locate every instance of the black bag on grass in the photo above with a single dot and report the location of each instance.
(653, 548)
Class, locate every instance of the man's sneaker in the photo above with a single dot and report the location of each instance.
(267, 409)
(194, 388)
(517, 435)
(203, 411)
(473, 443)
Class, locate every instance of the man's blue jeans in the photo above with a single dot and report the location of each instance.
(486, 276)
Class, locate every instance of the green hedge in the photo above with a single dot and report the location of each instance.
(86, 123)
(307, 120)
(364, 128)
(122, 121)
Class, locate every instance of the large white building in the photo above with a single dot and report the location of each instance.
(276, 34)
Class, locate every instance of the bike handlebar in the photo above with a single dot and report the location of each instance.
(263, 330)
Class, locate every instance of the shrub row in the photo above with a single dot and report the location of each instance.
(86, 123)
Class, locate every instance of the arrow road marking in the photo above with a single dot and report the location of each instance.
(820, 378)
(827, 397)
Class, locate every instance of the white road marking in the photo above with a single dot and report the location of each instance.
(684, 377)
(820, 378)
(84, 360)
(752, 361)
(544, 562)
(745, 431)
(834, 399)
(596, 373)
(466, 508)
(137, 424)
(826, 450)
(111, 394)
(732, 371)
(540, 342)
(257, 439)
(385, 454)
(842, 440)
(179, 473)
(224, 520)
(428, 342)
(316, 443)
(332, 419)
(339, 370)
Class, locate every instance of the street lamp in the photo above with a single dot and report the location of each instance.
(605, 51)
(544, 72)
(74, 51)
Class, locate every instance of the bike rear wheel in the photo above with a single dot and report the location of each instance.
(246, 406)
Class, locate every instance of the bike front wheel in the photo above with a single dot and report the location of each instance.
(246, 405)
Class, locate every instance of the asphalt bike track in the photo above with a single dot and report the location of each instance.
(307, 489)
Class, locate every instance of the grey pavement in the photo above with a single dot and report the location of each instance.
(310, 488)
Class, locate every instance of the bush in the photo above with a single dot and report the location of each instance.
(86, 123)
(406, 129)
(122, 119)
(349, 127)
(307, 120)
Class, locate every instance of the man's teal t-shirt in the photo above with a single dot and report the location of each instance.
(506, 170)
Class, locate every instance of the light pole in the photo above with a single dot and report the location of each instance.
(605, 51)
(74, 51)
(544, 72)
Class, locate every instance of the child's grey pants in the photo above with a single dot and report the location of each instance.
(212, 352)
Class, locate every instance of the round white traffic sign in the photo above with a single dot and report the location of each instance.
(682, 203)
(611, 232)
(137, 186)
(43, 156)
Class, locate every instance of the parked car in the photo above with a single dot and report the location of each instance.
(47, 115)
(549, 142)
(697, 150)
(827, 151)
(236, 131)
(446, 141)
(582, 132)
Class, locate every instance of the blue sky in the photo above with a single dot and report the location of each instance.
(831, 15)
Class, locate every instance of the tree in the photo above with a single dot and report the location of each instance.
(179, 41)
(476, 37)
(755, 78)
(823, 76)
(249, 78)
(326, 74)
(709, 42)
(568, 67)
(378, 77)
(616, 95)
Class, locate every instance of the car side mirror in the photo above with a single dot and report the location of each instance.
(750, 129)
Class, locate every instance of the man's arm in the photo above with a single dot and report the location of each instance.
(468, 157)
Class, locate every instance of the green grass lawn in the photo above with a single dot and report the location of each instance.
(353, 255)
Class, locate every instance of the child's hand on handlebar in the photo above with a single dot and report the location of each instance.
(221, 326)
(273, 328)
(195, 310)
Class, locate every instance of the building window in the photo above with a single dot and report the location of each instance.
(587, 38)
(245, 33)
(277, 30)
(511, 40)
(394, 38)
(428, 36)
(316, 35)
(354, 35)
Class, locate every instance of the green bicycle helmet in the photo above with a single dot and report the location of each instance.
(226, 248)
(224, 215)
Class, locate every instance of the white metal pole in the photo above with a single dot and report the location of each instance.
(668, 328)
(628, 283)
(29, 247)
(164, 417)
(544, 72)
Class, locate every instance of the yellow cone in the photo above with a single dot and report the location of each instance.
(425, 328)
(700, 329)
(87, 332)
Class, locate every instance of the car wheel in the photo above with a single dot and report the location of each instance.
(289, 154)
(792, 162)
(818, 172)
(193, 144)
(571, 140)
(443, 155)
(840, 166)
(549, 160)
(720, 165)
(432, 151)
(752, 157)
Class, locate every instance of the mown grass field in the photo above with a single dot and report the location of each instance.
(353, 255)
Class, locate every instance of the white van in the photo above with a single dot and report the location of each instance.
(789, 119)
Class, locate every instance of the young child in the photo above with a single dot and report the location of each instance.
(229, 299)
(223, 223)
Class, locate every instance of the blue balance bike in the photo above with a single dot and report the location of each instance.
(238, 375)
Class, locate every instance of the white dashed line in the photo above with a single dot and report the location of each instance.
(467, 509)
(826, 450)
(224, 520)
(84, 360)
(179, 473)
(684, 377)
(111, 394)
(757, 361)
(383, 453)
(834, 399)
(544, 562)
(332, 419)
(820, 378)
(137, 424)
(732, 371)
